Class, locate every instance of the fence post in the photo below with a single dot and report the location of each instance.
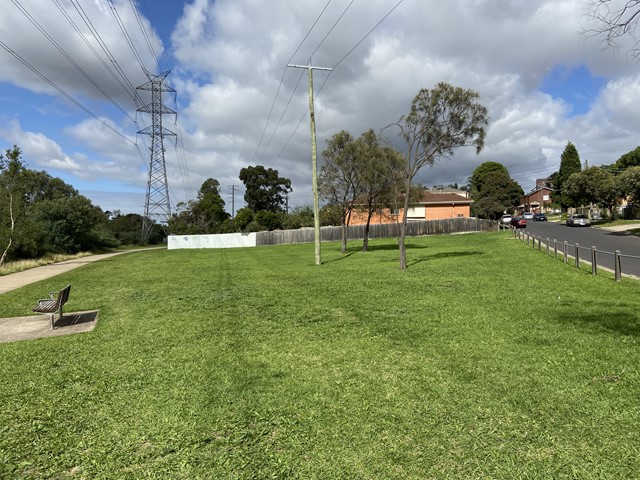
(539, 243)
(528, 239)
(566, 252)
(618, 266)
(594, 262)
(577, 255)
(555, 248)
(547, 246)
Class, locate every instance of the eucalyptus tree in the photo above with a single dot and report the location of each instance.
(378, 176)
(439, 121)
(338, 179)
(265, 189)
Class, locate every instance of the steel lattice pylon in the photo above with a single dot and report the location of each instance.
(157, 208)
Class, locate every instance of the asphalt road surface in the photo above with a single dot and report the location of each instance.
(605, 241)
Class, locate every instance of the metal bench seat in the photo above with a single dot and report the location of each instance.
(53, 304)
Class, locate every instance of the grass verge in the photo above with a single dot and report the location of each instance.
(21, 265)
(484, 360)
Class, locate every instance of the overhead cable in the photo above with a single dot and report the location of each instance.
(284, 71)
(69, 58)
(63, 92)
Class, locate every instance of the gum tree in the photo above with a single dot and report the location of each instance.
(338, 181)
(440, 120)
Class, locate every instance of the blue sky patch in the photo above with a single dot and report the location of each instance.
(576, 86)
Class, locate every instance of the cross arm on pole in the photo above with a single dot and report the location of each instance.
(309, 67)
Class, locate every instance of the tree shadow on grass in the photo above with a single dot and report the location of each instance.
(602, 317)
(342, 257)
(386, 247)
(436, 256)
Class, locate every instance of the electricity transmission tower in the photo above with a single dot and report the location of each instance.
(156, 206)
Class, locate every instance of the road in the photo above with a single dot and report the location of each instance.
(605, 241)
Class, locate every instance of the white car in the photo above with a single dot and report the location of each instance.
(528, 215)
(581, 220)
(505, 220)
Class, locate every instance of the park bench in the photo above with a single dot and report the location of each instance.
(54, 303)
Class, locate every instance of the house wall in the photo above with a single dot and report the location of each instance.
(431, 212)
(359, 217)
(447, 211)
(539, 198)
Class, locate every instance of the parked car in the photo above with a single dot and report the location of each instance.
(528, 215)
(539, 217)
(578, 219)
(505, 219)
(518, 222)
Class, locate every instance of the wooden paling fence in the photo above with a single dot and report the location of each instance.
(390, 230)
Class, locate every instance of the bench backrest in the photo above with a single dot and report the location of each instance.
(63, 295)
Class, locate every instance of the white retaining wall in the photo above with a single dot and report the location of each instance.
(223, 240)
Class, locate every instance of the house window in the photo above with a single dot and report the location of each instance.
(545, 198)
(416, 212)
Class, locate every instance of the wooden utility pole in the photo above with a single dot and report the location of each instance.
(314, 168)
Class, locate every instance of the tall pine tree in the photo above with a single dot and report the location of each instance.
(569, 164)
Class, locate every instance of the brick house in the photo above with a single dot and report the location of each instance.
(432, 206)
(538, 199)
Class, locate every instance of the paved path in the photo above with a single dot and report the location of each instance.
(37, 326)
(621, 228)
(20, 279)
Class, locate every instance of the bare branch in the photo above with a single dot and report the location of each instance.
(612, 22)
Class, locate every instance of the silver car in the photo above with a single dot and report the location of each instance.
(578, 220)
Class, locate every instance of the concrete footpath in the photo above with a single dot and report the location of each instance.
(20, 279)
(38, 326)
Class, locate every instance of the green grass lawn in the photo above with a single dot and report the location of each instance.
(486, 359)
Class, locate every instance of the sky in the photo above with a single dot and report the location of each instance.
(70, 68)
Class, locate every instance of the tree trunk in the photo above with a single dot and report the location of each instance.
(403, 225)
(365, 242)
(346, 218)
(13, 223)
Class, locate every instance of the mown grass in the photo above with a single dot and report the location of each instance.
(484, 360)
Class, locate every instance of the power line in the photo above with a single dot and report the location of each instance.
(87, 21)
(144, 33)
(120, 23)
(282, 116)
(331, 29)
(284, 71)
(300, 78)
(59, 89)
(335, 65)
(96, 54)
(68, 57)
(368, 33)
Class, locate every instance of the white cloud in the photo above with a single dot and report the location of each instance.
(231, 57)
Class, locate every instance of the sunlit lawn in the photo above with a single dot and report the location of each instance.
(486, 359)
